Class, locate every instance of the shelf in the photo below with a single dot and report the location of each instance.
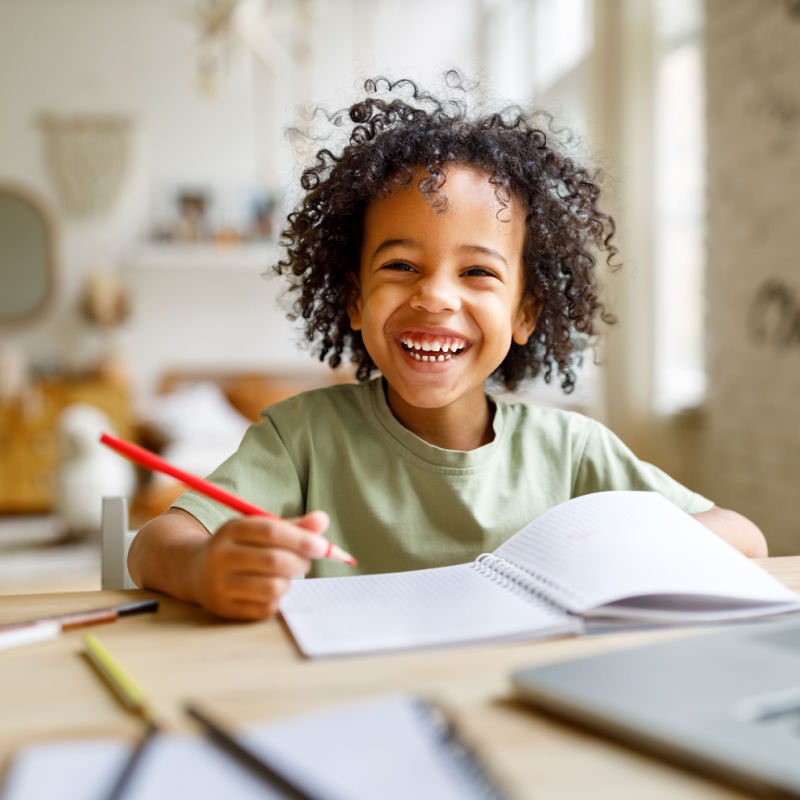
(250, 256)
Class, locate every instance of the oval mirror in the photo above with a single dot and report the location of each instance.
(27, 253)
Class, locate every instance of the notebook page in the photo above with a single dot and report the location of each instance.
(607, 546)
(355, 752)
(364, 751)
(175, 767)
(421, 608)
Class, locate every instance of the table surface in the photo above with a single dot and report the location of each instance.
(251, 672)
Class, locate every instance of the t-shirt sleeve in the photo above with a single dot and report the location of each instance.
(606, 463)
(261, 471)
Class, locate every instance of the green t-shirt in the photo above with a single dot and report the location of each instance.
(397, 502)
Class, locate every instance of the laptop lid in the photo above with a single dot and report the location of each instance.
(726, 704)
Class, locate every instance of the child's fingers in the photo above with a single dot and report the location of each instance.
(284, 534)
(314, 521)
(248, 563)
(268, 561)
(257, 588)
(250, 609)
(224, 588)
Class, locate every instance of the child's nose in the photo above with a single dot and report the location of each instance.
(436, 294)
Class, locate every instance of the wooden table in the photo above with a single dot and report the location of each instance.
(251, 672)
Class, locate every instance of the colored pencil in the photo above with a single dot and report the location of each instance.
(151, 461)
(243, 755)
(123, 780)
(26, 634)
(123, 686)
(36, 630)
(128, 692)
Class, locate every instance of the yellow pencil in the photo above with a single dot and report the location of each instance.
(124, 687)
(133, 698)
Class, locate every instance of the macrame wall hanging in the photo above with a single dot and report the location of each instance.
(87, 156)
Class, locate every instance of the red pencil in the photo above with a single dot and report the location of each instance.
(153, 462)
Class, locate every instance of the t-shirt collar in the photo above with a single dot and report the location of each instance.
(430, 453)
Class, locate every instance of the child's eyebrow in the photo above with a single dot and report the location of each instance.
(466, 248)
(394, 243)
(487, 251)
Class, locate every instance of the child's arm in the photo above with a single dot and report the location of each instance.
(240, 572)
(736, 530)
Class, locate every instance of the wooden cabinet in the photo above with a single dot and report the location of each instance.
(29, 435)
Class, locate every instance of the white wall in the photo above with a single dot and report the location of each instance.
(138, 58)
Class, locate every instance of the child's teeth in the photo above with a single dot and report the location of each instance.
(438, 350)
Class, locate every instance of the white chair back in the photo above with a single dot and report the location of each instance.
(116, 539)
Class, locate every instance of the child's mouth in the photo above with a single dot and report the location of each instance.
(429, 349)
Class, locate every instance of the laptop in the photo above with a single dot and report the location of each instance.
(726, 704)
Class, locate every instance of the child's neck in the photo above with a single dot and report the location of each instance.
(465, 426)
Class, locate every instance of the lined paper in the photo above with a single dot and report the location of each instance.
(610, 555)
(420, 608)
(611, 545)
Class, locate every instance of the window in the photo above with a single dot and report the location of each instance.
(679, 231)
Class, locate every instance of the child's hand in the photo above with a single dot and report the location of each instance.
(245, 567)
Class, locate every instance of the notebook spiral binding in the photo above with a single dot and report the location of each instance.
(484, 786)
(523, 581)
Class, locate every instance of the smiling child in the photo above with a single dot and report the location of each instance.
(439, 251)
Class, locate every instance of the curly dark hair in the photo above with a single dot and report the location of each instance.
(391, 136)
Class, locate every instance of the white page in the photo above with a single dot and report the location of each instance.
(420, 608)
(610, 545)
(173, 767)
(380, 748)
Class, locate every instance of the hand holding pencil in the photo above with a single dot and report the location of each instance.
(241, 571)
(246, 566)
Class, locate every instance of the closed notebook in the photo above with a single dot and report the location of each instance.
(610, 559)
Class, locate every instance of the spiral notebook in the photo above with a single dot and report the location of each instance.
(605, 559)
(394, 748)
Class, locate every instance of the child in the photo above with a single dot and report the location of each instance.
(441, 250)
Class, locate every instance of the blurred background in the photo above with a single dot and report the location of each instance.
(145, 171)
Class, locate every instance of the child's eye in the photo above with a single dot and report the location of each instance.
(478, 272)
(399, 266)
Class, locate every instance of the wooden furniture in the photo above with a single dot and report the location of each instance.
(251, 392)
(248, 672)
(28, 435)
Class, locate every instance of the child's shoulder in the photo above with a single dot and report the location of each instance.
(528, 412)
(543, 425)
(337, 399)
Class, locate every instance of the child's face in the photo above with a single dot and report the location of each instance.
(440, 294)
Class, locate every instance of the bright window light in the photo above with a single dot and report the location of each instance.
(679, 230)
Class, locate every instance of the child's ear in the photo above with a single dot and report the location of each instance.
(526, 319)
(354, 307)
